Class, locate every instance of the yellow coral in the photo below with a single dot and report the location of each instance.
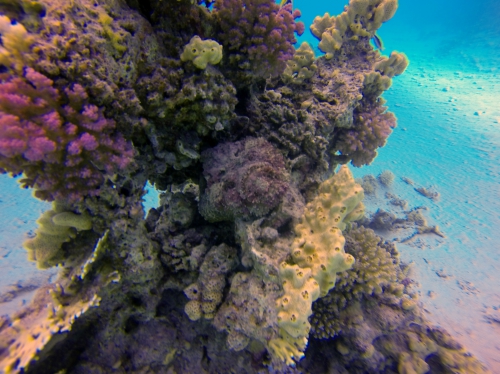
(294, 308)
(15, 41)
(56, 227)
(361, 18)
(395, 65)
(318, 253)
(193, 310)
(202, 52)
(31, 330)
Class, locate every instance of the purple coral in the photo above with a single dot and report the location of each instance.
(372, 126)
(258, 34)
(245, 179)
(62, 144)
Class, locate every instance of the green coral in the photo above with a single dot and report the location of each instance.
(115, 38)
(56, 226)
(202, 52)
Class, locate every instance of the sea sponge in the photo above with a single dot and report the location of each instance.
(318, 255)
(202, 52)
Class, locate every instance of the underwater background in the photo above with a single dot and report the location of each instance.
(446, 144)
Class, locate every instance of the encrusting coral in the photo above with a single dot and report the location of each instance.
(254, 245)
(206, 294)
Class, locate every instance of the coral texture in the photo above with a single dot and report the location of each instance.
(56, 226)
(376, 269)
(202, 52)
(301, 67)
(15, 42)
(250, 229)
(206, 294)
(372, 126)
(360, 19)
(257, 35)
(244, 179)
(63, 145)
(318, 255)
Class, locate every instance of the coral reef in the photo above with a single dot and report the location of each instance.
(372, 126)
(375, 271)
(206, 294)
(386, 178)
(253, 250)
(360, 19)
(301, 67)
(15, 43)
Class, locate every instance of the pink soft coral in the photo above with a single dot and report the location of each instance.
(372, 126)
(62, 144)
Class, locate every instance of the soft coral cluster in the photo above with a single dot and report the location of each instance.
(63, 145)
(258, 35)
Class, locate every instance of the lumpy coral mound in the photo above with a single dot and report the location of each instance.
(245, 179)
